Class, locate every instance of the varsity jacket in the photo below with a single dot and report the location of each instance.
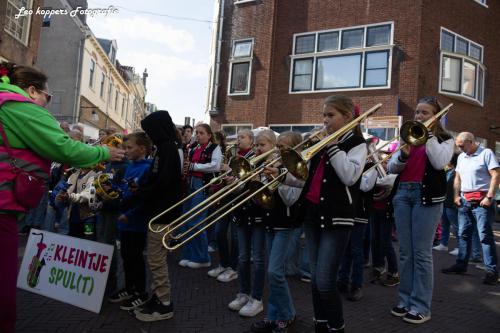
(209, 164)
(438, 154)
(340, 185)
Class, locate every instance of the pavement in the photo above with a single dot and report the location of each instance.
(460, 304)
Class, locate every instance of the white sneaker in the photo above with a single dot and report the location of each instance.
(481, 267)
(184, 263)
(252, 308)
(192, 264)
(228, 275)
(215, 272)
(240, 301)
(211, 249)
(440, 247)
(454, 252)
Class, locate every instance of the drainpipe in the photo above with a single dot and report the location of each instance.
(213, 108)
(76, 106)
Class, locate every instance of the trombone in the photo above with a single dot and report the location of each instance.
(299, 168)
(414, 133)
(296, 162)
(240, 167)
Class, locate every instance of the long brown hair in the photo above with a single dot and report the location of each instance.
(207, 129)
(437, 129)
(345, 106)
(24, 76)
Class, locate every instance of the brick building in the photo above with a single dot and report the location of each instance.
(19, 37)
(274, 62)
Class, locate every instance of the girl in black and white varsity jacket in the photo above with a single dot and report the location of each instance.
(330, 195)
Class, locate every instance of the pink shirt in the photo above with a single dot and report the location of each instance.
(315, 188)
(415, 166)
(196, 158)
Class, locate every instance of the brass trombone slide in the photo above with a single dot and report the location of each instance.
(415, 141)
(179, 244)
(213, 181)
(242, 174)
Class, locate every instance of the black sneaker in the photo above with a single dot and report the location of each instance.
(263, 326)
(491, 278)
(120, 296)
(282, 325)
(377, 274)
(399, 311)
(154, 310)
(342, 287)
(134, 302)
(356, 294)
(455, 269)
(390, 280)
(415, 318)
(305, 279)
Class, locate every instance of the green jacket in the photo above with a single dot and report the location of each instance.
(30, 126)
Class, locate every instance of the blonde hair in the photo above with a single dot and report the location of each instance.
(292, 138)
(247, 132)
(267, 135)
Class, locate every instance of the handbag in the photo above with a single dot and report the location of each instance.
(28, 189)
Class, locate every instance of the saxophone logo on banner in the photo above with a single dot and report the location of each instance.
(67, 269)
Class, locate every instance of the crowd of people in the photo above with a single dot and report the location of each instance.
(348, 205)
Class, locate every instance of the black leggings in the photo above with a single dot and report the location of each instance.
(132, 248)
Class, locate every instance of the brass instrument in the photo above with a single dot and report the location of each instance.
(231, 151)
(100, 182)
(381, 192)
(261, 192)
(241, 168)
(415, 133)
(296, 162)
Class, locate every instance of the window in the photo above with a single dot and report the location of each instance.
(101, 91)
(351, 58)
(18, 28)
(240, 67)
(92, 71)
(110, 92)
(123, 107)
(462, 72)
(116, 100)
(232, 130)
(280, 128)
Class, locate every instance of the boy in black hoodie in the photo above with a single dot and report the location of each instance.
(162, 190)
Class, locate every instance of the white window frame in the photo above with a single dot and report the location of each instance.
(25, 38)
(358, 50)
(463, 58)
(239, 2)
(92, 73)
(236, 125)
(482, 2)
(240, 60)
(292, 125)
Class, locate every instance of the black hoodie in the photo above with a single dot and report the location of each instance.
(163, 188)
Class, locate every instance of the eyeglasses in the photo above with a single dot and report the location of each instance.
(47, 95)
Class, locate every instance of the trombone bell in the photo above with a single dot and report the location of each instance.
(294, 162)
(414, 133)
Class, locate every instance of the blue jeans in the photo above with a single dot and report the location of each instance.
(416, 225)
(381, 241)
(472, 216)
(326, 248)
(354, 257)
(450, 218)
(36, 216)
(297, 257)
(251, 240)
(54, 216)
(228, 248)
(195, 250)
(280, 302)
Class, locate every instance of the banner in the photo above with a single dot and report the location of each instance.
(68, 269)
